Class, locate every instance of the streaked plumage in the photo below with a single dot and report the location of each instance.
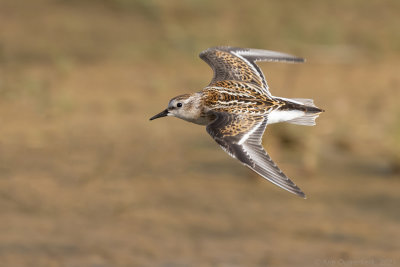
(237, 106)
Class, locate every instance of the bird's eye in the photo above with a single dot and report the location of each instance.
(179, 104)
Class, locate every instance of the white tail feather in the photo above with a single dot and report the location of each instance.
(307, 119)
(304, 101)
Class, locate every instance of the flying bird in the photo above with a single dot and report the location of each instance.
(237, 106)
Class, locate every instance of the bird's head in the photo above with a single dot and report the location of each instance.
(183, 106)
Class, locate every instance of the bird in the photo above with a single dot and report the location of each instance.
(237, 106)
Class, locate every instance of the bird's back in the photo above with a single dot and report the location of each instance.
(238, 97)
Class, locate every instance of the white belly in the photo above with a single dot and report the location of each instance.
(281, 116)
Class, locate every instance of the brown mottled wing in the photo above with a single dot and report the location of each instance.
(228, 130)
(240, 136)
(233, 63)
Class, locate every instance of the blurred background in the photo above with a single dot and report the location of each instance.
(87, 180)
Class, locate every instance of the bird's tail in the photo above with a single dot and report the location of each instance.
(311, 112)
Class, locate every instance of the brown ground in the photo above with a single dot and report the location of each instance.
(87, 180)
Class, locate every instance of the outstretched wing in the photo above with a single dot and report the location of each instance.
(240, 136)
(233, 63)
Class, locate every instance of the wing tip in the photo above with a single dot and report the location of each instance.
(259, 54)
(296, 191)
(294, 59)
(301, 194)
(300, 60)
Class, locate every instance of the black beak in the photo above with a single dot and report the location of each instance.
(160, 115)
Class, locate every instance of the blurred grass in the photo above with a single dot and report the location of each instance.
(87, 180)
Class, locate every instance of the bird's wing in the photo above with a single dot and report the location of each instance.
(240, 136)
(234, 63)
